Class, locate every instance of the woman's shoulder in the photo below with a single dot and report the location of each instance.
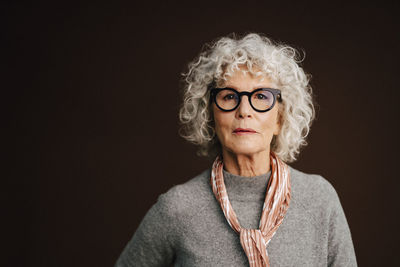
(187, 196)
(310, 181)
(312, 190)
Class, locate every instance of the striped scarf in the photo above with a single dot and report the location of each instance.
(277, 199)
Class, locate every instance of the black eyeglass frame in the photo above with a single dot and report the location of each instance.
(275, 92)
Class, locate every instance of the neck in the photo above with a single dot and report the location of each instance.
(247, 165)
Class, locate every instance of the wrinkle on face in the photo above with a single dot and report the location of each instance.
(246, 154)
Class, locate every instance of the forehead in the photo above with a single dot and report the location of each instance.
(243, 78)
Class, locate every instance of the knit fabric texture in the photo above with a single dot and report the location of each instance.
(186, 226)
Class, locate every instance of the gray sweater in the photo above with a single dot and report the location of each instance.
(186, 226)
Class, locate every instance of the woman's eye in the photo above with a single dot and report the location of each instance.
(229, 97)
(261, 96)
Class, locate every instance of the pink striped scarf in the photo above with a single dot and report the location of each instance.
(277, 199)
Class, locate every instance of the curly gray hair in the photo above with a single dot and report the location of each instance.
(261, 56)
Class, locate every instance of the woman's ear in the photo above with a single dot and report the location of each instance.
(277, 129)
(279, 120)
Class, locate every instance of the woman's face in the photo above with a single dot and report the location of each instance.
(245, 131)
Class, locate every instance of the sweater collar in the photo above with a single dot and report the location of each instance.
(246, 188)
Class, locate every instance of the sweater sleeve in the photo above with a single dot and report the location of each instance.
(152, 243)
(340, 245)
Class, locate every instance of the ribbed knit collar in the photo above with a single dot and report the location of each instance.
(246, 188)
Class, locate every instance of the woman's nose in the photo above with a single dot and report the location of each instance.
(244, 110)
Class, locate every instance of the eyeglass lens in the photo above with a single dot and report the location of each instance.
(261, 100)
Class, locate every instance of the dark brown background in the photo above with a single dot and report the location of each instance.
(91, 93)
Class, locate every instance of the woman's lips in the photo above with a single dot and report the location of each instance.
(242, 131)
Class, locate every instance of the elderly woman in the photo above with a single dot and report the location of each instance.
(247, 104)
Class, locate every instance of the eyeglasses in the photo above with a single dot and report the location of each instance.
(261, 100)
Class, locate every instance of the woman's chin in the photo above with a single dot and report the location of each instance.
(247, 151)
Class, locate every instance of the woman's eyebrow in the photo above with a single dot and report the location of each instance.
(237, 88)
(227, 86)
